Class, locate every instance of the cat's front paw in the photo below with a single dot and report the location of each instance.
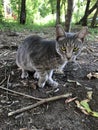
(24, 74)
(36, 75)
(52, 83)
(41, 85)
(55, 84)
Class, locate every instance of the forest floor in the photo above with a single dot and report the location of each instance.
(62, 114)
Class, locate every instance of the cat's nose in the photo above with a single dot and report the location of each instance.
(68, 58)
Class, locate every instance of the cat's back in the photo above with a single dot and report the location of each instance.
(35, 49)
(37, 42)
(36, 46)
(30, 41)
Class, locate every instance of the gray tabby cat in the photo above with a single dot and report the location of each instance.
(44, 56)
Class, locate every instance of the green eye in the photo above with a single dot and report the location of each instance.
(75, 49)
(63, 48)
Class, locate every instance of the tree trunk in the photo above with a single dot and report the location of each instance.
(1, 7)
(23, 12)
(88, 11)
(84, 19)
(68, 16)
(94, 18)
(52, 6)
(58, 12)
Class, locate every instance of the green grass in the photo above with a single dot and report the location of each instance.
(93, 31)
(15, 26)
(12, 25)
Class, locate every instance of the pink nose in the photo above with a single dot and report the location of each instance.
(68, 56)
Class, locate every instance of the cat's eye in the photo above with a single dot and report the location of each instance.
(63, 48)
(75, 49)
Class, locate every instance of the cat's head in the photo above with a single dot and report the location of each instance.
(69, 45)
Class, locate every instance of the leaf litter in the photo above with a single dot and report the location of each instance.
(84, 106)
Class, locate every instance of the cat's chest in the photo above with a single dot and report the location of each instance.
(59, 63)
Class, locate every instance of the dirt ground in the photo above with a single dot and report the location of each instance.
(56, 115)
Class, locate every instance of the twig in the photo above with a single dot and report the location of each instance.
(39, 103)
(3, 79)
(22, 94)
(8, 81)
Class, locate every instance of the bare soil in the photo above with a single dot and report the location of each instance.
(56, 115)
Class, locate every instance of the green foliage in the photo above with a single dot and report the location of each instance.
(15, 5)
(31, 10)
(15, 26)
(93, 31)
(1, 10)
(53, 6)
(41, 12)
(44, 9)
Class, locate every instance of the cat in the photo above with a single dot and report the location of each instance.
(44, 56)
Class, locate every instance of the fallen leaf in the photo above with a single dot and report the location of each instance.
(89, 95)
(92, 75)
(23, 129)
(70, 100)
(73, 81)
(84, 106)
(81, 107)
(89, 76)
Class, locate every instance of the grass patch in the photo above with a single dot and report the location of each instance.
(15, 26)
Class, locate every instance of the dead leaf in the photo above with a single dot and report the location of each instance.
(84, 106)
(92, 75)
(73, 81)
(89, 95)
(70, 100)
(81, 107)
(23, 129)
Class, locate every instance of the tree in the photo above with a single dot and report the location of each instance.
(94, 18)
(53, 6)
(1, 8)
(68, 16)
(23, 12)
(88, 11)
(58, 12)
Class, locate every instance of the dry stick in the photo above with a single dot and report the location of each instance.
(39, 103)
(22, 94)
(8, 80)
(3, 79)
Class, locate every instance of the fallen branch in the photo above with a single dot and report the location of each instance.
(3, 79)
(39, 103)
(8, 81)
(22, 94)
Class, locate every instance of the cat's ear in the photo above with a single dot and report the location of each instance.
(60, 33)
(82, 33)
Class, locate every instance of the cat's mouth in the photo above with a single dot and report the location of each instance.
(70, 59)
